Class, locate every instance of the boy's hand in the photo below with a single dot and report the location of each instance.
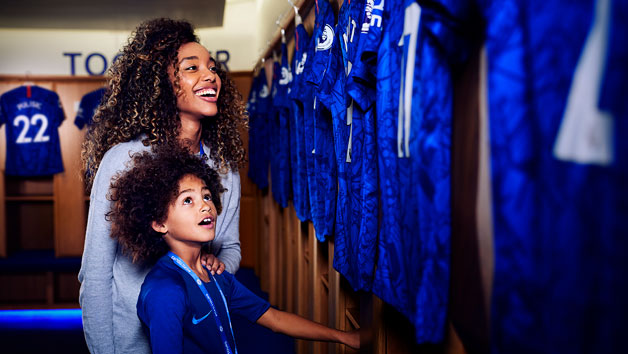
(352, 339)
(212, 263)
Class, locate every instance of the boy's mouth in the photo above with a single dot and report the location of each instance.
(207, 221)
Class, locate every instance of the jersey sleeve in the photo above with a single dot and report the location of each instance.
(57, 109)
(161, 308)
(80, 120)
(243, 301)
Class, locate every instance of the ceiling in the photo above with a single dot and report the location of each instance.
(106, 14)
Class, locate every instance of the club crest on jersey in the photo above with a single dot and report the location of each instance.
(286, 76)
(264, 92)
(301, 64)
(325, 40)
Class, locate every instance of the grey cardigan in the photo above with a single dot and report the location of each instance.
(110, 282)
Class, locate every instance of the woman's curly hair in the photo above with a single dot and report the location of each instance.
(140, 100)
(144, 193)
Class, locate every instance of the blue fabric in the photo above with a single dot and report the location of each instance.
(258, 131)
(413, 264)
(279, 136)
(32, 131)
(559, 226)
(303, 105)
(87, 108)
(356, 214)
(614, 84)
(172, 309)
(324, 163)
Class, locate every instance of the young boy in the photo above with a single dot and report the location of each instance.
(164, 210)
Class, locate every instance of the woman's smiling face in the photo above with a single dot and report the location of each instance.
(199, 83)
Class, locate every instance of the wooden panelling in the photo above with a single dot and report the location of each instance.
(249, 230)
(68, 186)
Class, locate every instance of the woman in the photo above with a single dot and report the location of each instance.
(163, 88)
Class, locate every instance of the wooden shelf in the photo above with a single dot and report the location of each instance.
(29, 198)
(352, 314)
(325, 281)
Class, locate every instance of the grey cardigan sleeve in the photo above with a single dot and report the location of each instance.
(96, 274)
(226, 245)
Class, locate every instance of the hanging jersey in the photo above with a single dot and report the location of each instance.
(301, 94)
(32, 116)
(258, 131)
(559, 220)
(280, 141)
(324, 153)
(87, 108)
(308, 120)
(356, 214)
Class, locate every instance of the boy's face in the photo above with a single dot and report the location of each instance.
(191, 218)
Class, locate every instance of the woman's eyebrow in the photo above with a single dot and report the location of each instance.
(188, 58)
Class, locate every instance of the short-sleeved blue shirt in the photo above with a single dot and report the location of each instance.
(178, 318)
(87, 108)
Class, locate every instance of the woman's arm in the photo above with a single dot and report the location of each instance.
(299, 327)
(96, 274)
(226, 246)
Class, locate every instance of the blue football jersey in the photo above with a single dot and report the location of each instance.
(414, 114)
(301, 94)
(87, 108)
(258, 130)
(356, 214)
(558, 186)
(32, 116)
(279, 136)
(324, 154)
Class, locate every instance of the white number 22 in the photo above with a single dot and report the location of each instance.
(39, 137)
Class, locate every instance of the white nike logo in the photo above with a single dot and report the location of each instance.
(196, 321)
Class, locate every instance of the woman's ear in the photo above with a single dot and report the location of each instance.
(159, 227)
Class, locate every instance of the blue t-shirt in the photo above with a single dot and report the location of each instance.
(32, 116)
(179, 319)
(559, 217)
(87, 108)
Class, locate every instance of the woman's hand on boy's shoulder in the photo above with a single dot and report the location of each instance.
(213, 264)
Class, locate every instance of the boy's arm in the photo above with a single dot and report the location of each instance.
(302, 328)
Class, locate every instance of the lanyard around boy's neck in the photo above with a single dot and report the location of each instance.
(201, 153)
(179, 262)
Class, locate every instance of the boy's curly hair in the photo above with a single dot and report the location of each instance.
(144, 193)
(141, 100)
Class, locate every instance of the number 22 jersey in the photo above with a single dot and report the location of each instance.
(32, 115)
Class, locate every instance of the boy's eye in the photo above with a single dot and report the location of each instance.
(192, 67)
(207, 197)
(213, 69)
(187, 200)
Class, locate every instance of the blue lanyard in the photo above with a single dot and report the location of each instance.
(179, 262)
(200, 151)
